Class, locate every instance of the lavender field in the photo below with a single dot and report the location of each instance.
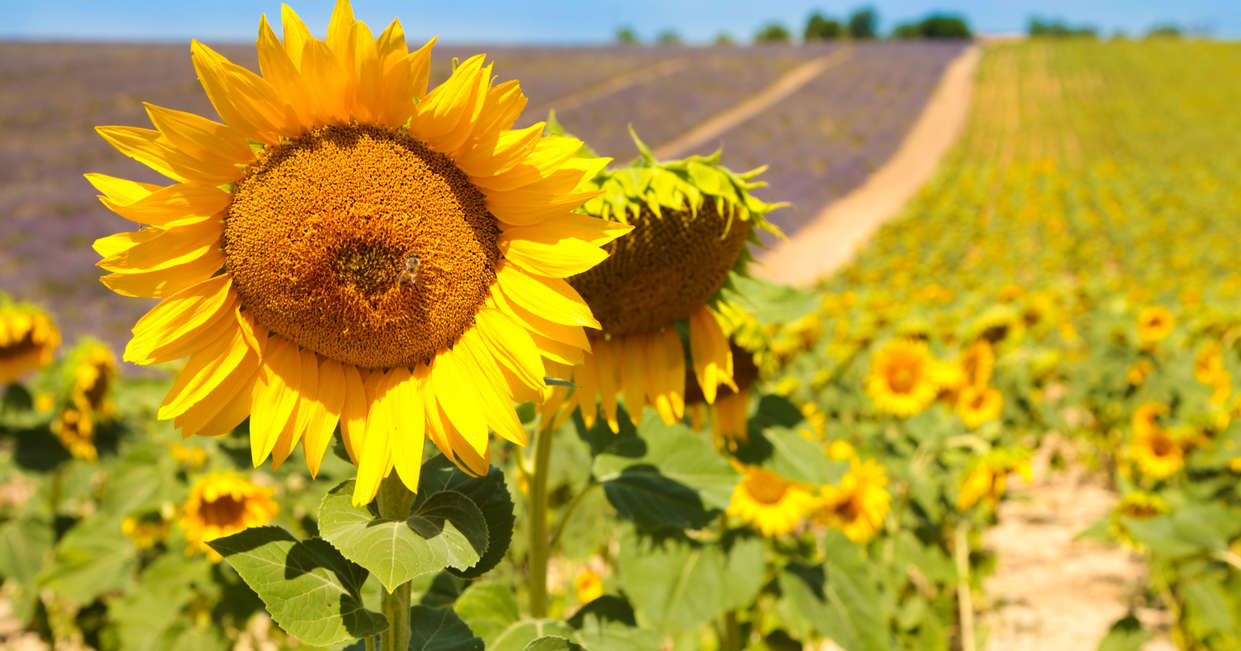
(821, 142)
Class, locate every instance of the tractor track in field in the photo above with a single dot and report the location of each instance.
(618, 83)
(830, 239)
(785, 85)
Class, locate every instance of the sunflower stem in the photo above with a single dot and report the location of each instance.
(394, 501)
(538, 522)
(965, 598)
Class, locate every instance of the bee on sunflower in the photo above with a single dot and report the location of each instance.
(350, 248)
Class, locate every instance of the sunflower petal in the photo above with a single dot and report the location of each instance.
(409, 435)
(275, 397)
(170, 279)
(173, 203)
(552, 298)
(319, 431)
(353, 412)
(713, 360)
(167, 246)
(214, 144)
(182, 323)
(282, 73)
(453, 392)
(246, 101)
(495, 401)
(376, 448)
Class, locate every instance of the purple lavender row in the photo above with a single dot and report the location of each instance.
(712, 80)
(825, 140)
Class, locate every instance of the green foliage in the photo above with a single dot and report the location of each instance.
(821, 28)
(935, 26)
(309, 588)
(772, 33)
(864, 24)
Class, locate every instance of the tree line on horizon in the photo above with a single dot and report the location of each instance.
(861, 24)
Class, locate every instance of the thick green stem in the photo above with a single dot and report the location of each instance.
(538, 523)
(394, 502)
(965, 598)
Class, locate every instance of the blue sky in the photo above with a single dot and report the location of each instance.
(572, 21)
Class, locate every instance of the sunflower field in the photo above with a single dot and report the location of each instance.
(545, 401)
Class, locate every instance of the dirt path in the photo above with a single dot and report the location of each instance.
(831, 238)
(1049, 591)
(786, 85)
(618, 83)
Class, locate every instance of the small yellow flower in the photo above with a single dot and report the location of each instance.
(190, 456)
(1235, 464)
(222, 504)
(588, 586)
(978, 405)
(75, 427)
(989, 478)
(28, 340)
(840, 450)
(901, 379)
(1209, 362)
(769, 502)
(1154, 324)
(1156, 451)
(146, 529)
(858, 505)
(1221, 389)
(1137, 506)
(1140, 370)
(1146, 416)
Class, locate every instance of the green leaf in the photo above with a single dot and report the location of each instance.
(91, 559)
(488, 609)
(1206, 604)
(1192, 529)
(520, 634)
(148, 613)
(489, 493)
(446, 530)
(439, 629)
(769, 302)
(310, 590)
(796, 458)
(837, 599)
(678, 584)
(610, 623)
(23, 545)
(553, 643)
(667, 475)
(1125, 635)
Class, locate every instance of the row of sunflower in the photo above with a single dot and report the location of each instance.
(1073, 270)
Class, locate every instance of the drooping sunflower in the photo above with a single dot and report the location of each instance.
(769, 502)
(28, 339)
(1155, 323)
(692, 220)
(979, 404)
(87, 378)
(74, 425)
(988, 479)
(221, 504)
(901, 379)
(347, 247)
(858, 505)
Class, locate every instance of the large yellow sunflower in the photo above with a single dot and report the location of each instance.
(28, 340)
(347, 247)
(901, 379)
(692, 220)
(769, 502)
(1155, 323)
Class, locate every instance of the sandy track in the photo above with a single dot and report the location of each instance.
(618, 83)
(785, 85)
(831, 238)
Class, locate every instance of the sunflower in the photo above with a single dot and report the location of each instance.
(989, 477)
(222, 504)
(147, 528)
(28, 339)
(978, 362)
(901, 379)
(347, 247)
(692, 220)
(979, 404)
(90, 370)
(588, 586)
(1209, 362)
(75, 427)
(1140, 370)
(858, 505)
(769, 502)
(1154, 324)
(1156, 451)
(1134, 506)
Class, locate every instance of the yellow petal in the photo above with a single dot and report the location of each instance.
(409, 434)
(275, 397)
(607, 374)
(489, 157)
(455, 394)
(354, 410)
(531, 204)
(324, 73)
(245, 101)
(339, 29)
(331, 402)
(168, 280)
(495, 401)
(633, 375)
(204, 372)
(551, 298)
(173, 203)
(280, 71)
(295, 34)
(215, 144)
(229, 415)
(570, 226)
(118, 190)
(548, 156)
(514, 349)
(167, 246)
(182, 323)
(560, 259)
(710, 352)
(308, 408)
(376, 447)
